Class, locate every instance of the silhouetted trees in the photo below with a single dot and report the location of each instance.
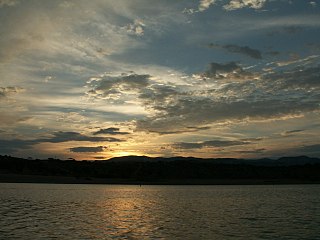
(148, 169)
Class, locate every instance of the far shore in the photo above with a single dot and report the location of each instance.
(19, 178)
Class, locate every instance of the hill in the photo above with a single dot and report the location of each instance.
(176, 170)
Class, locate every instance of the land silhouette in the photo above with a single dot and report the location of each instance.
(175, 170)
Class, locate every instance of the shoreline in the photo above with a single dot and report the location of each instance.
(20, 178)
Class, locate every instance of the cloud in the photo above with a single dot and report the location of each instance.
(208, 144)
(88, 149)
(295, 59)
(114, 87)
(8, 119)
(9, 3)
(313, 3)
(205, 4)
(6, 91)
(231, 5)
(254, 151)
(228, 71)
(10, 146)
(248, 97)
(75, 136)
(238, 4)
(136, 28)
(292, 132)
(311, 149)
(273, 53)
(57, 137)
(247, 51)
(303, 79)
(110, 131)
(285, 30)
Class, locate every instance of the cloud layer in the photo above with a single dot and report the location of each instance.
(247, 51)
(143, 79)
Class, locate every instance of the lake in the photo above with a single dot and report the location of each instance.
(63, 211)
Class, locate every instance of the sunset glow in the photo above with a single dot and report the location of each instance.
(100, 79)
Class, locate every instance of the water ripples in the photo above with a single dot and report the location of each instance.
(49, 211)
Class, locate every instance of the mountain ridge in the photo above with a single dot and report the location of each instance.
(177, 170)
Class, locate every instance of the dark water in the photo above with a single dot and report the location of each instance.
(50, 211)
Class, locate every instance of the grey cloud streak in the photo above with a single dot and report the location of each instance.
(209, 144)
(245, 50)
(6, 91)
(57, 137)
(88, 149)
(273, 96)
(227, 71)
(112, 87)
(8, 3)
(238, 95)
(75, 136)
(238, 4)
(110, 131)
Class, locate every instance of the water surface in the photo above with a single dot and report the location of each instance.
(62, 211)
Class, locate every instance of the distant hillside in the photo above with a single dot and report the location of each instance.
(146, 169)
(284, 161)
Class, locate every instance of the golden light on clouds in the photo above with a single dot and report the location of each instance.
(98, 79)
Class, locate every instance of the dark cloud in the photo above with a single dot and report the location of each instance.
(227, 71)
(254, 151)
(252, 139)
(110, 131)
(273, 53)
(8, 3)
(208, 144)
(6, 91)
(313, 46)
(57, 137)
(8, 119)
(311, 149)
(182, 130)
(113, 87)
(285, 30)
(247, 51)
(88, 149)
(197, 112)
(75, 136)
(291, 132)
(158, 93)
(10, 146)
(299, 78)
(272, 95)
(295, 131)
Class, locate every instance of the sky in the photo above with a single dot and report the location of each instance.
(205, 78)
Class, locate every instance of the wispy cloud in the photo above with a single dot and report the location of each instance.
(7, 91)
(238, 4)
(110, 131)
(226, 71)
(75, 136)
(209, 144)
(292, 132)
(88, 149)
(114, 87)
(136, 28)
(205, 4)
(247, 51)
(269, 96)
(85, 74)
(8, 3)
(56, 137)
